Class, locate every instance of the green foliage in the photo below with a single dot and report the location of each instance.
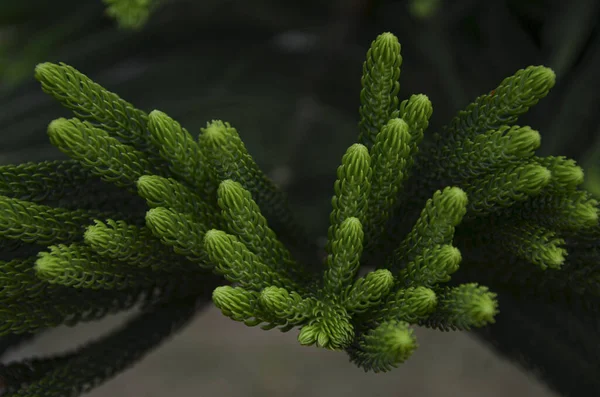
(130, 14)
(421, 230)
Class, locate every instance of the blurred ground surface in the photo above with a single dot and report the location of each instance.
(217, 357)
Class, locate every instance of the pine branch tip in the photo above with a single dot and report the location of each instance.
(46, 263)
(533, 178)
(43, 70)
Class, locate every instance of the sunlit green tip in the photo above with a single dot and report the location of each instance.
(229, 186)
(547, 75)
(154, 213)
(156, 114)
(428, 297)
(388, 41)
(395, 338)
(352, 223)
(43, 70)
(270, 293)
(58, 125)
(555, 257)
(586, 214)
(214, 236)
(382, 277)
(222, 295)
(358, 149)
(533, 178)
(145, 180)
(397, 124)
(487, 309)
(524, 140)
(93, 233)
(274, 298)
(47, 263)
(577, 176)
(386, 36)
(569, 173)
(307, 335)
(215, 129)
(456, 195)
(422, 101)
(540, 80)
(402, 341)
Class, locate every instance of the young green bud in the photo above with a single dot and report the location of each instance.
(344, 260)
(331, 329)
(236, 303)
(523, 141)
(463, 307)
(385, 347)
(369, 291)
(432, 267)
(532, 178)
(411, 305)
(416, 111)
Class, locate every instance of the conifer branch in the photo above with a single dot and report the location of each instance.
(477, 197)
(80, 370)
(91, 102)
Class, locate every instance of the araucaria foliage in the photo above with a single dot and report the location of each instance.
(143, 213)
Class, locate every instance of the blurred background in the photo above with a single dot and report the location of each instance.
(287, 75)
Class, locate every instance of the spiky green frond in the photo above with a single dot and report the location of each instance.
(288, 306)
(44, 181)
(352, 189)
(227, 158)
(245, 305)
(559, 211)
(463, 307)
(378, 97)
(535, 244)
(503, 105)
(390, 165)
(78, 266)
(40, 224)
(244, 219)
(239, 264)
(343, 261)
(134, 245)
(91, 102)
(98, 152)
(330, 327)
(493, 149)
(409, 305)
(433, 266)
(169, 193)
(30, 304)
(180, 231)
(566, 174)
(435, 226)
(416, 112)
(368, 291)
(177, 148)
(502, 189)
